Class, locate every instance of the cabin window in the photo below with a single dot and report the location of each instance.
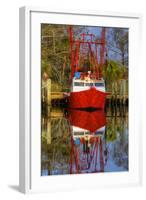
(78, 133)
(99, 84)
(89, 84)
(87, 133)
(99, 132)
(78, 84)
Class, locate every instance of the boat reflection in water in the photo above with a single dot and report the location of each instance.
(88, 131)
(84, 142)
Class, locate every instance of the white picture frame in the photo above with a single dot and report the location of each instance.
(29, 160)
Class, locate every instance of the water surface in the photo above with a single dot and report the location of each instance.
(79, 141)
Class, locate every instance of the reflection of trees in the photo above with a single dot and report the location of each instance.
(120, 153)
(111, 129)
(58, 152)
(116, 135)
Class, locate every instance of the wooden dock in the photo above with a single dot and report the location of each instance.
(61, 95)
(57, 95)
(59, 98)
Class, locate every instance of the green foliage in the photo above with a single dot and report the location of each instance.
(55, 53)
(113, 70)
(60, 137)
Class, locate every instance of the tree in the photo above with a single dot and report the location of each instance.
(120, 37)
(113, 71)
(55, 53)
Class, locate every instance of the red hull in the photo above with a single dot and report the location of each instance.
(91, 121)
(91, 98)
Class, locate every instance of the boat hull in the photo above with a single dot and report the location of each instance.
(89, 121)
(91, 98)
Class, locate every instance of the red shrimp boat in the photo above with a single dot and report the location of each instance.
(87, 136)
(89, 94)
(87, 121)
(87, 60)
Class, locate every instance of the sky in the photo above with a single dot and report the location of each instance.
(112, 50)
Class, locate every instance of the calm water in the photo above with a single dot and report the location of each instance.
(75, 141)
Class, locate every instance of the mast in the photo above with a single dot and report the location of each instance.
(86, 45)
